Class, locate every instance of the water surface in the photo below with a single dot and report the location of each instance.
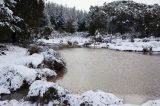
(131, 76)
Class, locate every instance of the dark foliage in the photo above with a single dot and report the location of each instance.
(125, 17)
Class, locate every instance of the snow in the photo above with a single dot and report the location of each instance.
(35, 59)
(98, 98)
(15, 70)
(116, 43)
(64, 38)
(27, 103)
(44, 73)
(16, 103)
(152, 103)
(137, 45)
(40, 87)
(10, 78)
(4, 90)
(92, 98)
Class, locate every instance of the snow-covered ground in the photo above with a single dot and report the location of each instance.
(116, 43)
(138, 45)
(64, 39)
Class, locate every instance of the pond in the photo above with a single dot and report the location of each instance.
(130, 76)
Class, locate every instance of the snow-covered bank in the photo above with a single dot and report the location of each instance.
(17, 67)
(114, 43)
(42, 91)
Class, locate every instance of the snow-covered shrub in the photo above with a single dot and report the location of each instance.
(10, 25)
(98, 37)
(53, 61)
(91, 98)
(43, 91)
(10, 79)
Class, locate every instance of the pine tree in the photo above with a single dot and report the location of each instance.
(9, 23)
(32, 11)
(66, 19)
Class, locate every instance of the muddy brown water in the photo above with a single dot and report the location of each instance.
(130, 76)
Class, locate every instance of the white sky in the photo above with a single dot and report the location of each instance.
(85, 4)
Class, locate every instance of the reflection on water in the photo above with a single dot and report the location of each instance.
(133, 77)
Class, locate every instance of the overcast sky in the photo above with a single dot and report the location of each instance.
(85, 4)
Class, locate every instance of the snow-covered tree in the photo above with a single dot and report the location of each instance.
(18, 17)
(66, 19)
(32, 11)
(9, 22)
(125, 16)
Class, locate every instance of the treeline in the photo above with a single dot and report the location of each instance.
(66, 19)
(125, 17)
(22, 21)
